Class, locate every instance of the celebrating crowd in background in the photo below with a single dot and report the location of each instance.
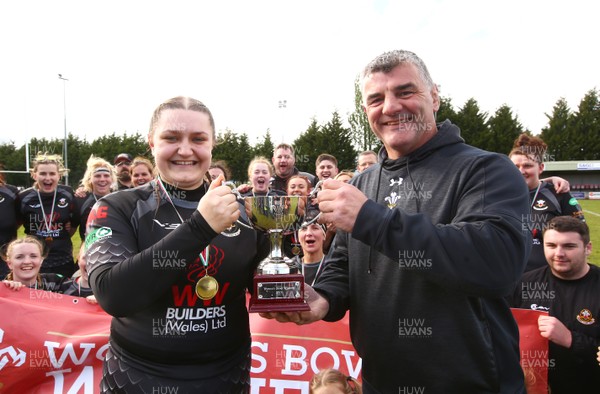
(477, 220)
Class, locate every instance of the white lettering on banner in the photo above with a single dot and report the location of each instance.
(334, 356)
(68, 351)
(263, 362)
(296, 355)
(290, 360)
(354, 372)
(279, 385)
(85, 380)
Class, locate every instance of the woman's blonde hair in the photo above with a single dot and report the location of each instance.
(94, 164)
(262, 160)
(46, 158)
(330, 377)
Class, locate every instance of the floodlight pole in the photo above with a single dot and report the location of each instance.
(282, 105)
(65, 122)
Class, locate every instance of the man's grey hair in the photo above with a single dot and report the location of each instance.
(387, 61)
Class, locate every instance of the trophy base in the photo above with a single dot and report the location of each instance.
(278, 293)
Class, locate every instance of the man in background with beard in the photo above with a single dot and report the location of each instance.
(122, 164)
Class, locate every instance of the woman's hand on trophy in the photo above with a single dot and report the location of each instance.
(219, 206)
(244, 188)
(319, 306)
(339, 204)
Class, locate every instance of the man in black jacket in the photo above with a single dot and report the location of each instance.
(429, 244)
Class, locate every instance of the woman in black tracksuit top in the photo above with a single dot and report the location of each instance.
(166, 262)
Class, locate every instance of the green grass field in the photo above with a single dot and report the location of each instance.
(591, 209)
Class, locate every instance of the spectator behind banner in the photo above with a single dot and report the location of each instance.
(332, 381)
(79, 285)
(326, 166)
(141, 171)
(160, 263)
(365, 160)
(48, 212)
(568, 288)
(9, 212)
(528, 155)
(431, 269)
(122, 163)
(24, 257)
(284, 163)
(96, 183)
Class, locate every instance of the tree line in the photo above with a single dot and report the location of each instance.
(571, 135)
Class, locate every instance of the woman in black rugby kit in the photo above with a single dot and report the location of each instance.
(96, 183)
(9, 212)
(166, 262)
(48, 212)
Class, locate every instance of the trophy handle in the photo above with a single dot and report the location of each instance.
(318, 187)
(240, 199)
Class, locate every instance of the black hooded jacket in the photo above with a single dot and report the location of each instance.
(432, 254)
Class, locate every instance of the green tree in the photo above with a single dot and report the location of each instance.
(504, 128)
(556, 134)
(446, 110)
(360, 130)
(586, 128)
(266, 147)
(108, 146)
(472, 123)
(308, 146)
(339, 142)
(332, 138)
(13, 159)
(236, 151)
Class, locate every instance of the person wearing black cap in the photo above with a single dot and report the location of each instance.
(122, 163)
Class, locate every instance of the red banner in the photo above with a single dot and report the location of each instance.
(50, 343)
(286, 356)
(53, 343)
(534, 350)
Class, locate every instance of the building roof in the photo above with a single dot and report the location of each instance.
(572, 165)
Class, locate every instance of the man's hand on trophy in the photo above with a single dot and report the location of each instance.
(339, 204)
(219, 206)
(319, 306)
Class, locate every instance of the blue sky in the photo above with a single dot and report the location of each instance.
(123, 58)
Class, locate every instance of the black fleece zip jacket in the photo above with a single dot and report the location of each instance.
(433, 253)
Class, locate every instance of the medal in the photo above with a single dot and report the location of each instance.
(207, 287)
(47, 223)
(296, 250)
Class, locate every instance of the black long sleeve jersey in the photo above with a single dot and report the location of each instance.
(84, 205)
(9, 219)
(576, 303)
(54, 227)
(143, 266)
(545, 205)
